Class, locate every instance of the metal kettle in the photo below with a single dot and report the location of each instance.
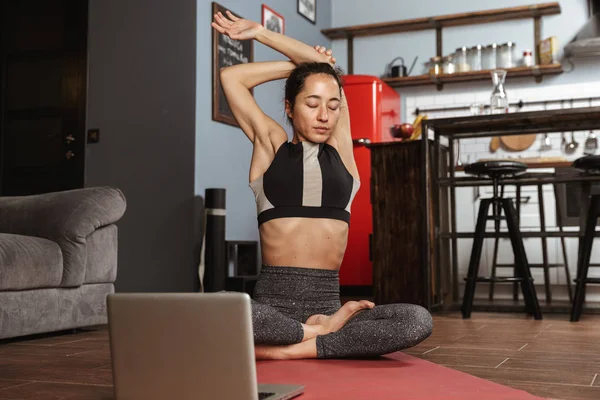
(395, 71)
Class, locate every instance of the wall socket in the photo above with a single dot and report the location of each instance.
(93, 135)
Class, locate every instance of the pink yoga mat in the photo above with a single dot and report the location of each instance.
(394, 376)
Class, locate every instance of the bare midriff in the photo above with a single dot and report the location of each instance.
(304, 242)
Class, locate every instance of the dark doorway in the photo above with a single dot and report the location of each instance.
(43, 49)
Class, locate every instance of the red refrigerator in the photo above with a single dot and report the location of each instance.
(374, 109)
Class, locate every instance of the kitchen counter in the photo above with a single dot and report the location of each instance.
(516, 123)
(442, 132)
(532, 163)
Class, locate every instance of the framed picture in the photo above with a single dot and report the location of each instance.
(226, 52)
(308, 9)
(272, 20)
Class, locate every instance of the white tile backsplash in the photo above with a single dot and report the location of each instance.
(464, 98)
(476, 148)
(444, 100)
(425, 101)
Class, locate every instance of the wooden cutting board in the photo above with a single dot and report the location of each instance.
(518, 142)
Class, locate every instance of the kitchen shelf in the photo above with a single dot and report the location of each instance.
(533, 11)
(469, 18)
(419, 80)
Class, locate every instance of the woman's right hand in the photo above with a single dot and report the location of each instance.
(328, 53)
(236, 28)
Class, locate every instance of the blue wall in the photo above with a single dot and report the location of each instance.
(223, 152)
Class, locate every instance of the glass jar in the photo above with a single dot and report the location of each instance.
(448, 64)
(461, 61)
(475, 58)
(435, 65)
(490, 55)
(506, 55)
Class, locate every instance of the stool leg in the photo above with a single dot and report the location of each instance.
(494, 262)
(559, 222)
(544, 244)
(527, 287)
(471, 278)
(583, 259)
(515, 270)
(497, 213)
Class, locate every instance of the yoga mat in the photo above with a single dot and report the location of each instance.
(394, 376)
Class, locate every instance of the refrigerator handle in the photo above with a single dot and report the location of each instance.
(361, 141)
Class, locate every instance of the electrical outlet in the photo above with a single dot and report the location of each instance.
(93, 135)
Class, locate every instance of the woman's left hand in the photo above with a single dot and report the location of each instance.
(236, 28)
(327, 52)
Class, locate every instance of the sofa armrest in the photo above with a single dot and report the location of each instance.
(67, 218)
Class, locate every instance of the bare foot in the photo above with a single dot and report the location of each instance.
(307, 349)
(335, 322)
(316, 319)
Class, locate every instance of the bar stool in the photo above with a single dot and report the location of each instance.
(590, 165)
(545, 265)
(497, 170)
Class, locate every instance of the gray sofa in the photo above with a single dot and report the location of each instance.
(58, 259)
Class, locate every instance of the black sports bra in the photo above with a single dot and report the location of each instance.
(307, 180)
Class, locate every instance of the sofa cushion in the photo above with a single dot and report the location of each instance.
(28, 262)
(67, 218)
(102, 255)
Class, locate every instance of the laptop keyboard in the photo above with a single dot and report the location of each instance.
(264, 395)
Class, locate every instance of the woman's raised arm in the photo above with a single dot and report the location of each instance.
(237, 80)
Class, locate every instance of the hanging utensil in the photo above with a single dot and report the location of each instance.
(518, 142)
(572, 145)
(563, 138)
(591, 143)
(459, 162)
(546, 144)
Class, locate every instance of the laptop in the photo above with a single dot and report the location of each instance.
(186, 346)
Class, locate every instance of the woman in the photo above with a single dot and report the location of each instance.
(304, 190)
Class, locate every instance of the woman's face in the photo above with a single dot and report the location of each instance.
(317, 108)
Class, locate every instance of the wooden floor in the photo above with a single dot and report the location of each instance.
(552, 358)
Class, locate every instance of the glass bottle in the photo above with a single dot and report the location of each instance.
(528, 58)
(498, 99)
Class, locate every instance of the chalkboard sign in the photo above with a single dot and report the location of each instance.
(226, 52)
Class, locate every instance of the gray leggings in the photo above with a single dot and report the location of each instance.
(284, 297)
